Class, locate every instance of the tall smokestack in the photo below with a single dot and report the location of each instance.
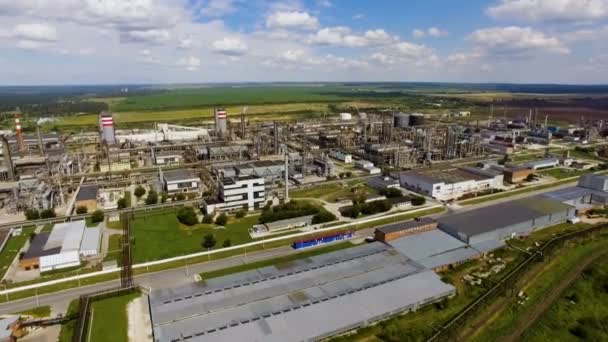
(286, 176)
(7, 158)
(19, 132)
(106, 128)
(40, 144)
(276, 138)
(220, 122)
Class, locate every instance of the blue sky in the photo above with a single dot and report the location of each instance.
(174, 41)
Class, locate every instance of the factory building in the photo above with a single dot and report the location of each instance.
(592, 191)
(87, 197)
(367, 166)
(168, 158)
(268, 169)
(506, 220)
(307, 300)
(401, 229)
(516, 175)
(180, 181)
(383, 182)
(106, 128)
(242, 192)
(451, 184)
(341, 156)
(542, 164)
(63, 247)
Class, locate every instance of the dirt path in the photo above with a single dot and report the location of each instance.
(531, 317)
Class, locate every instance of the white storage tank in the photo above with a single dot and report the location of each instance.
(346, 116)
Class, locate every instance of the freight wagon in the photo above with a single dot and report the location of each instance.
(322, 239)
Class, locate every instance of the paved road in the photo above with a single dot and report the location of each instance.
(185, 275)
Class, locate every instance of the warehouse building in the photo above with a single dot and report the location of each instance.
(180, 181)
(268, 169)
(168, 158)
(446, 185)
(382, 183)
(401, 229)
(592, 190)
(63, 247)
(87, 197)
(518, 174)
(506, 220)
(243, 192)
(310, 299)
(543, 164)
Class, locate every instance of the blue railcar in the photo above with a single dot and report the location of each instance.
(322, 239)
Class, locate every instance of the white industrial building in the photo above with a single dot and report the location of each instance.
(543, 164)
(341, 156)
(245, 192)
(167, 158)
(368, 166)
(180, 181)
(451, 184)
(164, 132)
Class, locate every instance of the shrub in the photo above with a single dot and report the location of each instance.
(227, 243)
(221, 220)
(121, 203)
(240, 214)
(97, 216)
(209, 241)
(288, 210)
(391, 192)
(139, 191)
(187, 216)
(152, 197)
(48, 213)
(81, 210)
(323, 216)
(180, 197)
(32, 214)
(163, 197)
(208, 219)
(418, 200)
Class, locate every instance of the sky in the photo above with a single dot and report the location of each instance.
(44, 42)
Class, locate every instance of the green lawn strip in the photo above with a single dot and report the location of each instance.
(12, 248)
(38, 312)
(89, 222)
(109, 321)
(276, 261)
(550, 275)
(47, 228)
(114, 249)
(543, 235)
(580, 310)
(561, 173)
(334, 191)
(516, 192)
(67, 329)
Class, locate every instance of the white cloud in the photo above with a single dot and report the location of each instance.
(343, 36)
(326, 3)
(358, 16)
(431, 32)
(230, 46)
(292, 20)
(413, 51)
(30, 45)
(515, 40)
(462, 58)
(218, 8)
(550, 10)
(185, 43)
(147, 36)
(35, 32)
(190, 63)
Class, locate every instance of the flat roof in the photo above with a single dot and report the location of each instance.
(497, 216)
(179, 175)
(447, 176)
(425, 244)
(66, 235)
(90, 239)
(310, 298)
(399, 226)
(87, 192)
(37, 245)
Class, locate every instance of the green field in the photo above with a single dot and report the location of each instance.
(38, 312)
(334, 191)
(580, 313)
(109, 319)
(561, 173)
(12, 248)
(276, 261)
(67, 329)
(160, 236)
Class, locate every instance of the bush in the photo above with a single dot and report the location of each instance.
(323, 216)
(121, 203)
(81, 210)
(187, 216)
(391, 192)
(139, 191)
(208, 219)
(227, 243)
(32, 214)
(418, 200)
(48, 213)
(240, 214)
(370, 208)
(97, 216)
(209, 241)
(152, 197)
(221, 220)
(287, 211)
(180, 197)
(163, 197)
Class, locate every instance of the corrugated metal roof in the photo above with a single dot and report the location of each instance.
(397, 227)
(91, 239)
(66, 235)
(424, 244)
(87, 192)
(449, 257)
(66, 259)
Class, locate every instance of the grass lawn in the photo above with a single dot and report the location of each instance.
(89, 222)
(581, 309)
(561, 173)
(550, 274)
(12, 248)
(276, 261)
(161, 236)
(109, 319)
(113, 248)
(332, 192)
(38, 312)
(546, 234)
(47, 228)
(67, 329)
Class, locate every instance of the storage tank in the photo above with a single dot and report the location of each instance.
(106, 128)
(401, 120)
(417, 119)
(345, 116)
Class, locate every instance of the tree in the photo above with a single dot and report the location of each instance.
(209, 241)
(97, 216)
(322, 217)
(32, 214)
(139, 191)
(348, 174)
(163, 197)
(418, 200)
(207, 219)
(240, 214)
(47, 213)
(121, 203)
(530, 177)
(187, 216)
(221, 220)
(180, 197)
(152, 197)
(227, 243)
(391, 192)
(81, 210)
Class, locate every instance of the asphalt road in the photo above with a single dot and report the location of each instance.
(185, 275)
